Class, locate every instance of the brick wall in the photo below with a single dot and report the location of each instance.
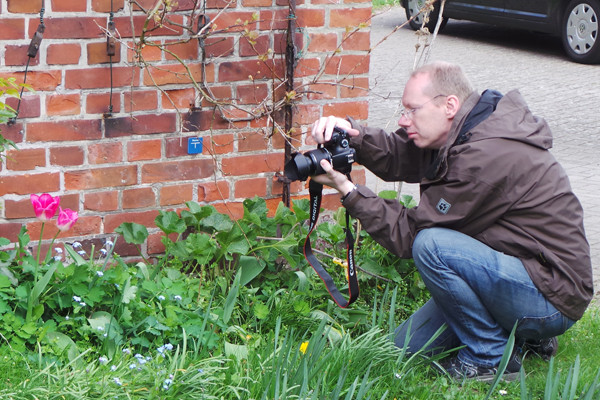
(129, 164)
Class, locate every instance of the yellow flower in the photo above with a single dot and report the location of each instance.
(343, 264)
(303, 347)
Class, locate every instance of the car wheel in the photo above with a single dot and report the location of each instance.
(580, 31)
(413, 7)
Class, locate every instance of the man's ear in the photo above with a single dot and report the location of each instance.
(452, 106)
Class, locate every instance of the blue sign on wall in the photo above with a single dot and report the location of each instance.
(195, 145)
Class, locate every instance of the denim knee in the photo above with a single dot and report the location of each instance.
(424, 243)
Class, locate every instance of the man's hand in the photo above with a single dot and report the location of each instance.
(323, 128)
(334, 178)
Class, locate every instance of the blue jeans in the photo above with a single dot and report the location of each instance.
(479, 294)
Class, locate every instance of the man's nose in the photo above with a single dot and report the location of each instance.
(404, 121)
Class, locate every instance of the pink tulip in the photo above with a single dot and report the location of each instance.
(44, 206)
(66, 219)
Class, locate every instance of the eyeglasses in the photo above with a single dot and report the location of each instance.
(409, 112)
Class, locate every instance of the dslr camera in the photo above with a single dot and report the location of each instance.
(337, 151)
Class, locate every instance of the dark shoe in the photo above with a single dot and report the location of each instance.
(460, 371)
(544, 348)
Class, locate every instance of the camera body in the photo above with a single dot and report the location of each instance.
(337, 151)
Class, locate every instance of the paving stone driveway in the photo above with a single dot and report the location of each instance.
(566, 94)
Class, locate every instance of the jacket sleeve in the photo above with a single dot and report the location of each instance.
(460, 202)
(390, 156)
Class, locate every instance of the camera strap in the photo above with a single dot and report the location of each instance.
(315, 190)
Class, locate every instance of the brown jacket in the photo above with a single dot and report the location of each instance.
(498, 184)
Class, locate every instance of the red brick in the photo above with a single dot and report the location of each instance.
(252, 94)
(251, 141)
(218, 46)
(17, 56)
(176, 194)
(221, 4)
(105, 153)
(308, 67)
(69, 5)
(234, 210)
(217, 94)
(23, 184)
(354, 87)
(248, 188)
(39, 80)
(105, 5)
(256, 164)
(146, 53)
(213, 191)
(146, 218)
(30, 105)
(358, 110)
(233, 21)
(99, 103)
(23, 6)
(13, 133)
(275, 19)
(213, 144)
(249, 70)
(140, 100)
(350, 17)
(322, 90)
(322, 42)
(138, 198)
(257, 3)
(154, 243)
(63, 54)
(96, 53)
(178, 99)
(140, 125)
(170, 27)
(99, 178)
(66, 156)
(177, 170)
(76, 129)
(347, 64)
(144, 150)
(187, 50)
(357, 41)
(252, 47)
(280, 42)
(277, 186)
(69, 27)
(10, 230)
(101, 201)
(95, 78)
(63, 104)
(25, 159)
(310, 17)
(85, 225)
(175, 74)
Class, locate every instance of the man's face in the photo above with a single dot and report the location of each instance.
(426, 120)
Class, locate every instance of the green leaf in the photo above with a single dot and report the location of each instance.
(40, 286)
(132, 232)
(79, 261)
(7, 278)
(64, 343)
(388, 194)
(169, 222)
(231, 299)
(218, 222)
(238, 351)
(250, 268)
(261, 311)
(129, 292)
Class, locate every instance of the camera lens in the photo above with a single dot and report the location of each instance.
(301, 166)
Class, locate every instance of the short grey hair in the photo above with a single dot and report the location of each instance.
(446, 78)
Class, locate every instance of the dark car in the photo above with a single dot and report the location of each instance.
(575, 21)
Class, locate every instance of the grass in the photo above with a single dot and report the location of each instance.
(367, 366)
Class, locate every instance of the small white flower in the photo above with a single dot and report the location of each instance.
(57, 258)
(113, 367)
(502, 392)
(103, 252)
(132, 366)
(100, 328)
(81, 252)
(117, 381)
(169, 346)
(82, 304)
(161, 297)
(77, 299)
(177, 297)
(58, 250)
(126, 351)
(109, 244)
(100, 273)
(102, 360)
(67, 318)
(76, 245)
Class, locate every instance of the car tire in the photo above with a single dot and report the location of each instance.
(412, 7)
(580, 30)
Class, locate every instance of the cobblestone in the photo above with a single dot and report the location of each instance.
(564, 93)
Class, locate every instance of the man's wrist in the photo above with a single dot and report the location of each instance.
(346, 193)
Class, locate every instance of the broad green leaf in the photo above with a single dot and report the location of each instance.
(261, 311)
(79, 261)
(231, 299)
(218, 222)
(40, 286)
(132, 232)
(169, 222)
(238, 351)
(388, 194)
(7, 278)
(129, 292)
(250, 268)
(64, 343)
